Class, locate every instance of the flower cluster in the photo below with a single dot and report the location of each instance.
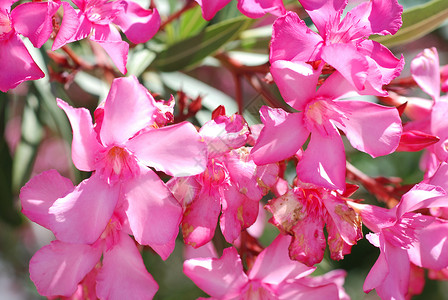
(218, 175)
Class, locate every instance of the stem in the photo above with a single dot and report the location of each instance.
(373, 186)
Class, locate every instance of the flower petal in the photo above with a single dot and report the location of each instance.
(293, 40)
(258, 8)
(430, 249)
(425, 71)
(70, 26)
(223, 134)
(211, 7)
(34, 20)
(370, 127)
(138, 24)
(85, 144)
(124, 273)
(379, 17)
(274, 266)
(153, 212)
(218, 277)
(346, 59)
(176, 150)
(200, 217)
(17, 64)
(296, 81)
(39, 194)
(323, 162)
(56, 269)
(82, 215)
(128, 109)
(323, 12)
(277, 141)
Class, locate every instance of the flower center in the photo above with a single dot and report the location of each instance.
(103, 11)
(403, 233)
(117, 164)
(256, 290)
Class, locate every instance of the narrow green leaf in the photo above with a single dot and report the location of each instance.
(8, 211)
(191, 23)
(417, 21)
(26, 151)
(192, 50)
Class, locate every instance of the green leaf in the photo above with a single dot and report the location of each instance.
(417, 21)
(26, 151)
(192, 50)
(191, 23)
(8, 211)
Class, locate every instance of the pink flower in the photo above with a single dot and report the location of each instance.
(96, 18)
(428, 116)
(58, 268)
(118, 149)
(405, 236)
(304, 211)
(251, 8)
(231, 184)
(273, 276)
(342, 43)
(32, 20)
(369, 127)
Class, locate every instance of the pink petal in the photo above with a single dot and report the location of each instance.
(425, 71)
(56, 269)
(208, 250)
(242, 172)
(211, 7)
(335, 87)
(34, 21)
(238, 213)
(440, 177)
(176, 150)
(118, 52)
(430, 250)
(82, 215)
(39, 194)
(389, 66)
(139, 24)
(223, 277)
(422, 196)
(184, 189)
(17, 65)
(85, 145)
(414, 140)
(396, 282)
(201, 217)
(334, 277)
(124, 274)
(308, 243)
(293, 40)
(370, 127)
(153, 212)
(323, 162)
(128, 109)
(223, 134)
(379, 17)
(258, 8)
(274, 266)
(378, 273)
(69, 27)
(297, 290)
(323, 12)
(277, 141)
(165, 250)
(346, 59)
(296, 81)
(346, 220)
(290, 216)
